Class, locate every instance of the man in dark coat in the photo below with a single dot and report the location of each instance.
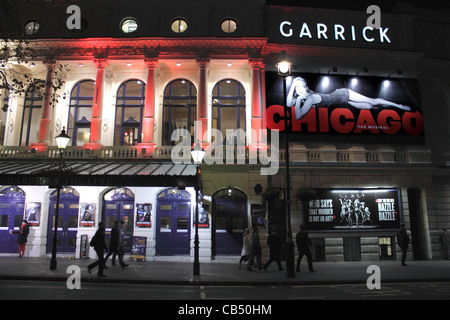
(255, 251)
(303, 244)
(115, 246)
(275, 246)
(99, 244)
(403, 241)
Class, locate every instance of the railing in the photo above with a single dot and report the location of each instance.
(298, 154)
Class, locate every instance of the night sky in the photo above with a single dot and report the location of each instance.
(361, 5)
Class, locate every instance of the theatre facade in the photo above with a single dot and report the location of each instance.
(143, 83)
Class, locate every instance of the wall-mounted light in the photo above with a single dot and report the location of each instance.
(398, 71)
(333, 69)
(32, 65)
(364, 69)
(178, 64)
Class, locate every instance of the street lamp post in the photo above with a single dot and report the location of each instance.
(62, 141)
(284, 70)
(197, 156)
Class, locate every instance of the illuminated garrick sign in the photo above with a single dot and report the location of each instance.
(322, 31)
(334, 27)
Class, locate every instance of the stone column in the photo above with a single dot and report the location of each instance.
(257, 103)
(148, 123)
(46, 115)
(202, 102)
(96, 121)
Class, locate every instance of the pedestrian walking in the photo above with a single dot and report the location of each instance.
(255, 251)
(403, 241)
(443, 240)
(99, 244)
(246, 247)
(115, 245)
(303, 245)
(23, 232)
(275, 247)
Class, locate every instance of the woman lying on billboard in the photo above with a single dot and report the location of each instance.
(304, 98)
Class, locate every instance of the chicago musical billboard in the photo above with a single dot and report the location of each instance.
(344, 105)
(353, 210)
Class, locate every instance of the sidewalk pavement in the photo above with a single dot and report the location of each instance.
(222, 273)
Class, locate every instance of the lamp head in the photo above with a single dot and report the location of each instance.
(197, 154)
(62, 140)
(284, 69)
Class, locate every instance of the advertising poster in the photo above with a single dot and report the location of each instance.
(203, 216)
(353, 210)
(33, 213)
(345, 106)
(258, 214)
(143, 215)
(139, 248)
(87, 214)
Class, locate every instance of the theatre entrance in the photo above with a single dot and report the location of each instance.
(173, 222)
(229, 219)
(119, 206)
(67, 227)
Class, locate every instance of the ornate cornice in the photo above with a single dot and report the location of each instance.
(148, 48)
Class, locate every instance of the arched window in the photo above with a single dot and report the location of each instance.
(80, 112)
(179, 109)
(29, 132)
(228, 107)
(129, 113)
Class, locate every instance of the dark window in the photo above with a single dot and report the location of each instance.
(129, 113)
(31, 117)
(80, 112)
(228, 108)
(180, 108)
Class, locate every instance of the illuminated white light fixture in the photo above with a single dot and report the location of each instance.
(178, 64)
(32, 65)
(129, 64)
(229, 64)
(354, 82)
(325, 82)
(284, 69)
(386, 83)
(197, 154)
(62, 140)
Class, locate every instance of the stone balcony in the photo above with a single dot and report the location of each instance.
(299, 154)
